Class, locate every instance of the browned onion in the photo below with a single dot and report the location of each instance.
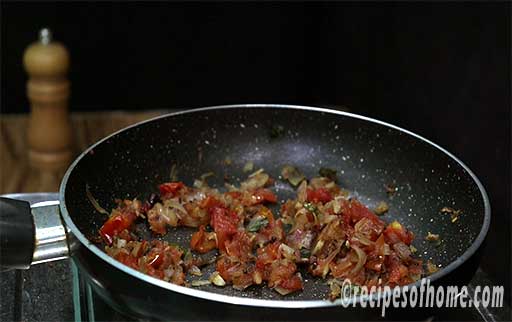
(361, 259)
(402, 250)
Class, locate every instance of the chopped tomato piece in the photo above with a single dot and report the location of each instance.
(158, 273)
(282, 271)
(415, 268)
(141, 249)
(243, 280)
(267, 254)
(264, 195)
(224, 224)
(319, 195)
(116, 224)
(357, 211)
(273, 231)
(397, 272)
(292, 284)
(374, 262)
(343, 239)
(395, 233)
(174, 254)
(227, 267)
(169, 189)
(240, 246)
(202, 241)
(128, 260)
(156, 260)
(341, 268)
(125, 234)
(234, 194)
(210, 202)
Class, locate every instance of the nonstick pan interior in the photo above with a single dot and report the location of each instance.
(367, 155)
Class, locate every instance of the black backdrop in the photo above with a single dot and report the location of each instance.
(440, 69)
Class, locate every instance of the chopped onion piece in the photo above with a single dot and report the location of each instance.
(335, 286)
(206, 175)
(174, 173)
(121, 243)
(194, 196)
(257, 278)
(396, 225)
(200, 283)
(94, 202)
(248, 167)
(319, 245)
(319, 182)
(402, 250)
(287, 251)
(198, 183)
(230, 187)
(194, 270)
(260, 170)
(307, 240)
(330, 185)
(168, 273)
(362, 239)
(255, 181)
(216, 279)
(336, 205)
(302, 192)
(381, 208)
(432, 237)
(361, 259)
(174, 204)
(431, 267)
(292, 174)
(282, 291)
(136, 248)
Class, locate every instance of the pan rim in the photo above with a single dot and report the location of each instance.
(262, 302)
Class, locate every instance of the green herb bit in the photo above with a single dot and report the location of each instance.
(310, 207)
(305, 253)
(257, 223)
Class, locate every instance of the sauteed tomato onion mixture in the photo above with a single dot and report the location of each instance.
(322, 232)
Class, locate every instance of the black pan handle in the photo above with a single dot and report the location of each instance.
(17, 234)
(31, 230)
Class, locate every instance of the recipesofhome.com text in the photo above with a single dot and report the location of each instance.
(423, 295)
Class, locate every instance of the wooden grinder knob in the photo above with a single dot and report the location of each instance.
(49, 130)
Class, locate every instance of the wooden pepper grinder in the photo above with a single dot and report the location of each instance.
(49, 129)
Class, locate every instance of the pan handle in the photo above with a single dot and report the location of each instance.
(30, 234)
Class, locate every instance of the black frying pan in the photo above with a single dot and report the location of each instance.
(367, 154)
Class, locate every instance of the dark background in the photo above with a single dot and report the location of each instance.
(439, 69)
